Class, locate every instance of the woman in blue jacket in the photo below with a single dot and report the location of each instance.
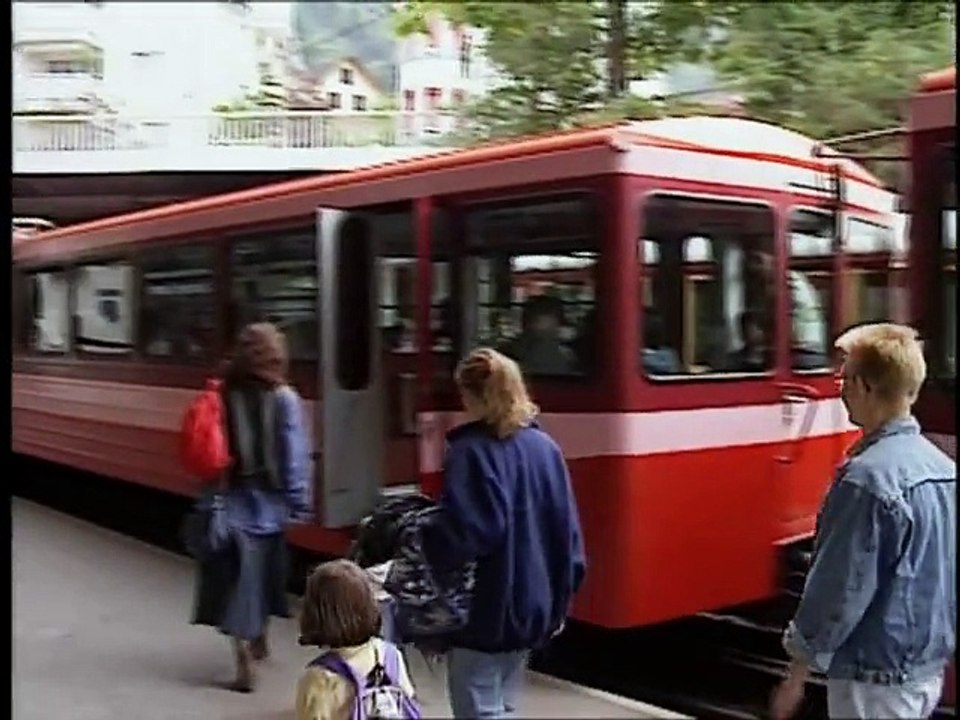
(507, 503)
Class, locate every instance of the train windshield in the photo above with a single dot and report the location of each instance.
(529, 282)
(948, 242)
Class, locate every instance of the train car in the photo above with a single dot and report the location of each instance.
(24, 227)
(699, 242)
(932, 195)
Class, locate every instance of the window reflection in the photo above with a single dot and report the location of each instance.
(948, 223)
(707, 287)
(177, 314)
(530, 286)
(49, 321)
(810, 279)
(275, 280)
(103, 298)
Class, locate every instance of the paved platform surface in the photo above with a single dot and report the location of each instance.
(100, 632)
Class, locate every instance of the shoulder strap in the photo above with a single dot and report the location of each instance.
(391, 662)
(334, 663)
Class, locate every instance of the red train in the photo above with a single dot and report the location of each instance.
(720, 246)
(932, 131)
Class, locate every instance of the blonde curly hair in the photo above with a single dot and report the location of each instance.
(494, 385)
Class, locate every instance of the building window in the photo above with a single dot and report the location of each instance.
(346, 76)
(360, 103)
(178, 303)
(707, 287)
(432, 96)
(103, 308)
(333, 100)
(275, 280)
(409, 100)
(49, 312)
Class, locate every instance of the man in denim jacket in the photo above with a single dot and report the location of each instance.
(878, 613)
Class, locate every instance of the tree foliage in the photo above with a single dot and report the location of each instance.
(830, 69)
(821, 68)
(551, 58)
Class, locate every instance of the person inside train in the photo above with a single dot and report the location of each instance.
(658, 358)
(878, 611)
(755, 354)
(507, 504)
(538, 348)
(267, 485)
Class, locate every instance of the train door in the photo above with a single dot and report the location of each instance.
(350, 410)
(707, 356)
(811, 412)
(370, 282)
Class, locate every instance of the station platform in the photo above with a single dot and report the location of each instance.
(100, 632)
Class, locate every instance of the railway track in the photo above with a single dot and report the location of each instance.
(714, 665)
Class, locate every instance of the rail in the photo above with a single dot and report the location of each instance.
(278, 130)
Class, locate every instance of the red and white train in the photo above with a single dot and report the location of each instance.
(693, 476)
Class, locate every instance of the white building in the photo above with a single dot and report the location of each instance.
(58, 58)
(347, 86)
(442, 69)
(157, 58)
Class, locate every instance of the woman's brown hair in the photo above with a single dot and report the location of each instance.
(261, 353)
(494, 382)
(339, 607)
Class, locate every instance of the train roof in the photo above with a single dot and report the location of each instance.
(723, 139)
(939, 81)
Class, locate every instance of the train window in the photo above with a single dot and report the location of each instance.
(868, 282)
(948, 224)
(810, 280)
(398, 281)
(103, 301)
(707, 286)
(275, 280)
(178, 304)
(48, 308)
(529, 282)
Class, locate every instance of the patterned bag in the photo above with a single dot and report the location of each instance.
(429, 604)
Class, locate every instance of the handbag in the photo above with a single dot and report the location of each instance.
(206, 529)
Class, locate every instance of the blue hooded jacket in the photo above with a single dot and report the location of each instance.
(508, 505)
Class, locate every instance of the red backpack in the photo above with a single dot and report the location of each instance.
(204, 451)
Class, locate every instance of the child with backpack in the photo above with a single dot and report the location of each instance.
(360, 676)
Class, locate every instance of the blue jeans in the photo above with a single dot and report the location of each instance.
(484, 685)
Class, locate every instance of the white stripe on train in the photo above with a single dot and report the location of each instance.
(583, 435)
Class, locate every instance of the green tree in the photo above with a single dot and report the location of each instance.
(565, 63)
(830, 69)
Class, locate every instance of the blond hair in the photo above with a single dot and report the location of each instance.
(887, 357)
(495, 383)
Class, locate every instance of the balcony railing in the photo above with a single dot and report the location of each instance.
(279, 130)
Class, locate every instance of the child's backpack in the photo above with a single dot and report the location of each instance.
(379, 694)
(204, 450)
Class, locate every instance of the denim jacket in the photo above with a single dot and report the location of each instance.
(879, 604)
